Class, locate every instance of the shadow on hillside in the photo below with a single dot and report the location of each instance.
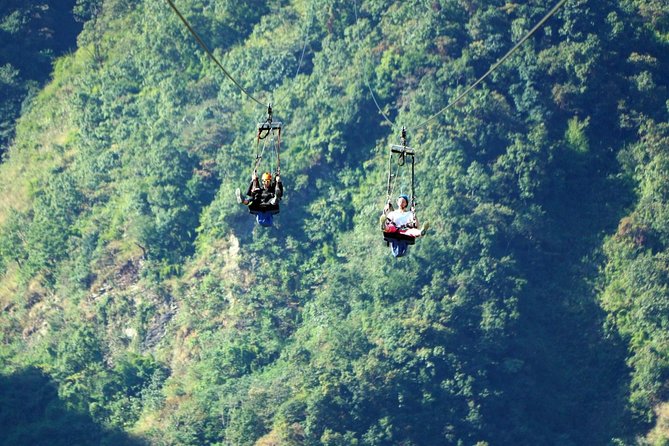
(575, 383)
(31, 413)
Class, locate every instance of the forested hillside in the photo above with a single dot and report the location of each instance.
(141, 304)
(32, 34)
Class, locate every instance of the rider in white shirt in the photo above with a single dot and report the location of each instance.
(402, 220)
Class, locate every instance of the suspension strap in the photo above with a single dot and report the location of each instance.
(265, 129)
(403, 152)
(266, 126)
(390, 175)
(413, 192)
(259, 154)
(278, 150)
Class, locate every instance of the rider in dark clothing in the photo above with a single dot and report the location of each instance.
(265, 197)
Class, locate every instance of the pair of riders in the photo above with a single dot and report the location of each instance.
(263, 196)
(400, 227)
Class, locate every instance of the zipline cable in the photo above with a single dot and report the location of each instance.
(210, 54)
(371, 92)
(241, 88)
(304, 48)
(377, 104)
(492, 68)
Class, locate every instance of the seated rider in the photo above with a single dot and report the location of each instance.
(402, 221)
(264, 197)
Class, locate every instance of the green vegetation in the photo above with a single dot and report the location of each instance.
(142, 304)
(32, 33)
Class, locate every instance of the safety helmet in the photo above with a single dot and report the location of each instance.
(405, 196)
(266, 176)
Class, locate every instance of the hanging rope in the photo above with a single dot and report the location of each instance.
(269, 133)
(274, 141)
(275, 153)
(392, 178)
(401, 161)
(413, 192)
(259, 153)
(210, 54)
(278, 150)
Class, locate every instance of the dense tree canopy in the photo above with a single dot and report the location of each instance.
(533, 312)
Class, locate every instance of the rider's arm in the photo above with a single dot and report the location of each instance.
(254, 185)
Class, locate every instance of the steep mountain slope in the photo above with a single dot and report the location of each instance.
(131, 277)
(32, 34)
